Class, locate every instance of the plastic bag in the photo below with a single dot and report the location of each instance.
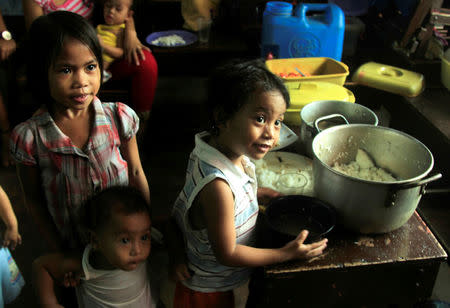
(12, 280)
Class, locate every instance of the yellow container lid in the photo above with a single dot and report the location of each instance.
(390, 78)
(312, 91)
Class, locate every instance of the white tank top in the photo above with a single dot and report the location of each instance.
(113, 288)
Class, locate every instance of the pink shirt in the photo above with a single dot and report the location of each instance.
(71, 175)
(84, 9)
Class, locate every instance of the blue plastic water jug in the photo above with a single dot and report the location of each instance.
(314, 30)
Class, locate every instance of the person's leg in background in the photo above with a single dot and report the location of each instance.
(144, 78)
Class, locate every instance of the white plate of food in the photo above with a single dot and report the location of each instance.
(287, 137)
(171, 38)
(285, 172)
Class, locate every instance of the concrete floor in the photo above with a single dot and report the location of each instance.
(164, 154)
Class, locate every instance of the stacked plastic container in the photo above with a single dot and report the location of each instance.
(324, 81)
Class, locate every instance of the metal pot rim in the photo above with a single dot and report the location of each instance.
(314, 103)
(391, 183)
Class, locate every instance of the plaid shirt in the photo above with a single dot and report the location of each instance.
(71, 175)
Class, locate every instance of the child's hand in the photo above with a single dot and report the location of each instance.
(133, 48)
(12, 238)
(266, 194)
(179, 272)
(71, 279)
(7, 48)
(71, 267)
(298, 250)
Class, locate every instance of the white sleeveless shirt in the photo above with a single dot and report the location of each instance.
(113, 288)
(205, 165)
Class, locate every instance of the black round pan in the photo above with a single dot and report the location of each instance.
(288, 215)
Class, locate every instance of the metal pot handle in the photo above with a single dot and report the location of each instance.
(392, 195)
(327, 117)
(422, 182)
(437, 191)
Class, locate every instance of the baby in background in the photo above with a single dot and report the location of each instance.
(113, 266)
(110, 34)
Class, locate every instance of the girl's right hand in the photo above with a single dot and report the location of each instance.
(296, 249)
(12, 238)
(179, 272)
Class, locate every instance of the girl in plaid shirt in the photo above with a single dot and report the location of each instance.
(74, 145)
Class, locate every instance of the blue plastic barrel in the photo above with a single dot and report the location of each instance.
(306, 30)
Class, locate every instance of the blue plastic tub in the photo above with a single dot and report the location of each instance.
(306, 30)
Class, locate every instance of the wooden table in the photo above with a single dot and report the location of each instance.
(399, 267)
(427, 118)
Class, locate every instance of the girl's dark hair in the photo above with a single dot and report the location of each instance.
(98, 210)
(45, 41)
(232, 84)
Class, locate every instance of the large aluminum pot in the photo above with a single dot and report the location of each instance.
(329, 112)
(371, 206)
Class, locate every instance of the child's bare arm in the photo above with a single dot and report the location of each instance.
(132, 45)
(48, 271)
(115, 52)
(12, 236)
(219, 219)
(136, 175)
(35, 202)
(31, 11)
